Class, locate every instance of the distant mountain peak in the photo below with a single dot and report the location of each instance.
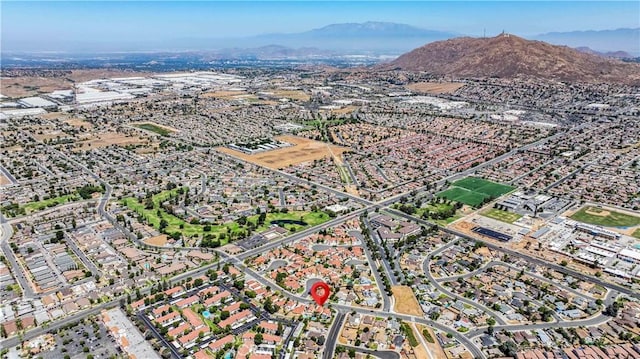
(510, 56)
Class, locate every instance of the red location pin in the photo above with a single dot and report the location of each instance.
(320, 298)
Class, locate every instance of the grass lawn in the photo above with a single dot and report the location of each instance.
(480, 185)
(474, 191)
(606, 218)
(503, 216)
(155, 215)
(439, 208)
(153, 128)
(434, 208)
(636, 233)
(408, 331)
(463, 195)
(51, 202)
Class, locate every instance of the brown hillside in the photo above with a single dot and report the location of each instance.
(509, 56)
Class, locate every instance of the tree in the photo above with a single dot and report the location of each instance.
(258, 339)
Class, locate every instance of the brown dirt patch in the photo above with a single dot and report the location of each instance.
(436, 350)
(483, 251)
(160, 240)
(24, 86)
(4, 180)
(303, 150)
(600, 213)
(435, 87)
(405, 301)
(351, 189)
(347, 109)
(292, 94)
(77, 122)
(106, 139)
(223, 94)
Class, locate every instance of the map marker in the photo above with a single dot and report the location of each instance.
(320, 298)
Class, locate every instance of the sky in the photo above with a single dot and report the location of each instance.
(32, 22)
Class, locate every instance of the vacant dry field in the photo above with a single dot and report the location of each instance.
(160, 240)
(225, 95)
(433, 347)
(406, 302)
(108, 138)
(42, 133)
(345, 110)
(25, 86)
(303, 150)
(292, 94)
(435, 88)
(4, 180)
(77, 122)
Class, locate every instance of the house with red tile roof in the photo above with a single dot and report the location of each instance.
(174, 292)
(170, 318)
(190, 339)
(236, 319)
(220, 343)
(192, 318)
(179, 330)
(210, 290)
(269, 327)
(158, 311)
(187, 302)
(232, 308)
(218, 298)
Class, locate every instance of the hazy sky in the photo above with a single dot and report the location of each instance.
(111, 21)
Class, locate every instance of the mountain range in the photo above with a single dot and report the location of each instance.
(368, 38)
(509, 56)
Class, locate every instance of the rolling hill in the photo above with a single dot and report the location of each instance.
(509, 56)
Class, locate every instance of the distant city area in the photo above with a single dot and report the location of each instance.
(472, 198)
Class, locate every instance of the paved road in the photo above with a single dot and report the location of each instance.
(17, 270)
(475, 351)
(334, 331)
(382, 354)
(32, 333)
(386, 301)
(71, 242)
(425, 267)
(174, 352)
(504, 264)
(383, 258)
(8, 175)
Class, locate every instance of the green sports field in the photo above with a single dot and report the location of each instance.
(503, 216)
(605, 217)
(474, 191)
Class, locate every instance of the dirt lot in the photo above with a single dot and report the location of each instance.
(77, 122)
(344, 110)
(108, 138)
(292, 94)
(304, 150)
(223, 94)
(25, 86)
(435, 87)
(434, 348)
(406, 302)
(160, 240)
(4, 180)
